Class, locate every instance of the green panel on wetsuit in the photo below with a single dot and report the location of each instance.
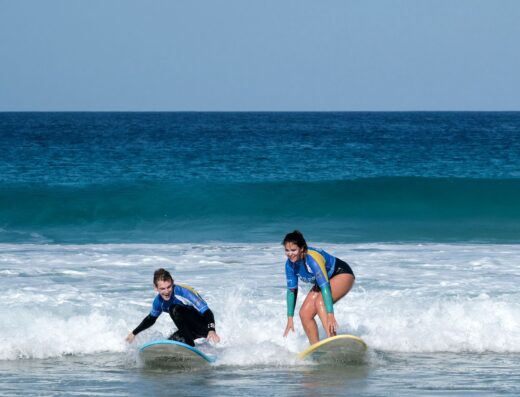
(291, 303)
(327, 298)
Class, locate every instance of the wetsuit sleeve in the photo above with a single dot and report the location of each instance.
(292, 288)
(156, 307)
(292, 294)
(290, 275)
(210, 319)
(146, 323)
(327, 298)
(316, 262)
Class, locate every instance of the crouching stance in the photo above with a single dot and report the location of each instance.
(188, 310)
(332, 279)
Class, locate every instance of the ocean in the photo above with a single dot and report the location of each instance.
(422, 205)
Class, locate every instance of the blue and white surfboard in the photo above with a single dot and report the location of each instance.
(173, 353)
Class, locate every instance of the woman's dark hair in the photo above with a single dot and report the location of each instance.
(295, 237)
(161, 275)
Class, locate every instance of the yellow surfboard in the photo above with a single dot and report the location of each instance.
(340, 348)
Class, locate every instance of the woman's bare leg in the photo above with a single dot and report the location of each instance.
(307, 314)
(340, 285)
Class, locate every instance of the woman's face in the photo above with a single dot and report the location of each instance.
(293, 252)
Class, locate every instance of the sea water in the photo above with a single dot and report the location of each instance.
(423, 206)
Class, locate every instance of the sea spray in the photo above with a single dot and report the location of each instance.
(81, 300)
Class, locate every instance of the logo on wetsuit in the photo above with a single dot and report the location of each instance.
(304, 273)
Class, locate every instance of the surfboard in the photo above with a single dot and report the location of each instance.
(173, 353)
(336, 349)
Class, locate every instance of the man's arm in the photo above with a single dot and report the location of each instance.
(145, 324)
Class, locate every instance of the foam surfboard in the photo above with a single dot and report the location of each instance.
(340, 348)
(173, 353)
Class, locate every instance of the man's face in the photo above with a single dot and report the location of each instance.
(164, 288)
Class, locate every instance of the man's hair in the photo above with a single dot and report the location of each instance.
(161, 275)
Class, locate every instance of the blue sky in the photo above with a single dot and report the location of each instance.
(240, 55)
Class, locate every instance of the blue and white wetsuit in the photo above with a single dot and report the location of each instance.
(183, 295)
(318, 267)
(187, 309)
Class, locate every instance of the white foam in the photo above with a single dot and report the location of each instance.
(59, 300)
(42, 334)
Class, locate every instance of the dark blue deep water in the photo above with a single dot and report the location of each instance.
(193, 177)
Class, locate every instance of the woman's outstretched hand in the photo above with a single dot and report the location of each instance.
(290, 326)
(332, 325)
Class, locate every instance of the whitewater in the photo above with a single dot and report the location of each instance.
(61, 300)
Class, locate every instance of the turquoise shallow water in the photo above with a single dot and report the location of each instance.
(373, 209)
(182, 177)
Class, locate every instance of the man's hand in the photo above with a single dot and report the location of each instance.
(130, 338)
(212, 336)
